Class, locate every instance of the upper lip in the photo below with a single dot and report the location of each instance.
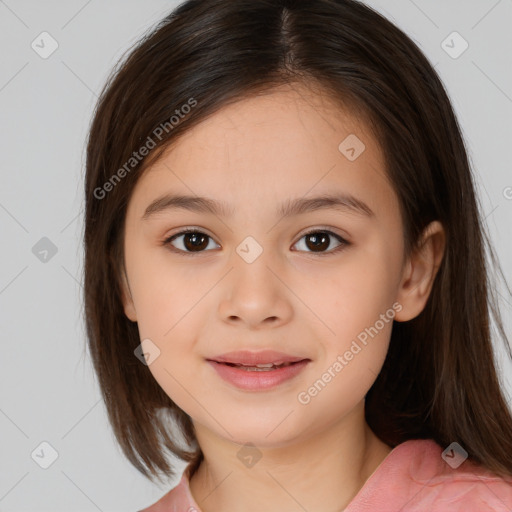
(247, 357)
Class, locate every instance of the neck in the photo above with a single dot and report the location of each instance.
(321, 471)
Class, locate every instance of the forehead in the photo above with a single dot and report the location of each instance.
(289, 140)
(291, 117)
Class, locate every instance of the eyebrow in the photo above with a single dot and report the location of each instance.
(291, 207)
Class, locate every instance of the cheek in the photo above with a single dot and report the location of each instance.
(356, 303)
(357, 306)
(358, 290)
(170, 299)
(163, 291)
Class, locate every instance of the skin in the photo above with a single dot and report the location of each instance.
(254, 154)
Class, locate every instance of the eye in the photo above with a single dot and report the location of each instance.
(195, 241)
(320, 240)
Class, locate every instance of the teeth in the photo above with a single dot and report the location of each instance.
(263, 367)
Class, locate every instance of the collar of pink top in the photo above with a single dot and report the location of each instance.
(417, 475)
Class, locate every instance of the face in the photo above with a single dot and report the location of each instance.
(320, 284)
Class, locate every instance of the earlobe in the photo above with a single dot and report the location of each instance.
(420, 271)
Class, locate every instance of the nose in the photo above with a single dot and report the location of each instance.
(254, 294)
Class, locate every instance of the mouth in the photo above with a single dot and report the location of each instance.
(256, 371)
(261, 359)
(263, 367)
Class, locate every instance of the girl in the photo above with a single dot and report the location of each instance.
(285, 281)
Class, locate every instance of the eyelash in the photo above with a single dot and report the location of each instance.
(343, 242)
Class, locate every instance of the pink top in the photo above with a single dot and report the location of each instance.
(413, 477)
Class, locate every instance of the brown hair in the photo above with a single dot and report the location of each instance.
(439, 379)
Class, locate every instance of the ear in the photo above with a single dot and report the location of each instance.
(126, 297)
(420, 271)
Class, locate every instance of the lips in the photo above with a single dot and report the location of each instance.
(262, 359)
(257, 371)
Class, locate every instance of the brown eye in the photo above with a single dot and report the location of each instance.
(192, 241)
(320, 241)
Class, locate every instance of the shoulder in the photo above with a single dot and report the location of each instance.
(449, 481)
(420, 475)
(178, 498)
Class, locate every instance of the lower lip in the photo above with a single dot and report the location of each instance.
(257, 380)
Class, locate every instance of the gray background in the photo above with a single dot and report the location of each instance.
(48, 390)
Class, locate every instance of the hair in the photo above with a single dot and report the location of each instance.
(439, 379)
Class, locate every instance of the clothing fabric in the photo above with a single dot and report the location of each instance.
(414, 477)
